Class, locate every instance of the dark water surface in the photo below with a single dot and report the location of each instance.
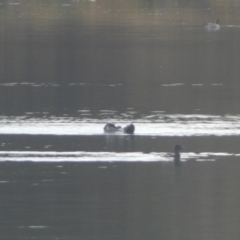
(67, 68)
(120, 200)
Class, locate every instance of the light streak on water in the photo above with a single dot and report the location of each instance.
(81, 156)
(151, 125)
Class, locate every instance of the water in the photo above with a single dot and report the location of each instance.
(69, 67)
(120, 200)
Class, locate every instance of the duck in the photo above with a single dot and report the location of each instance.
(177, 149)
(129, 129)
(212, 27)
(111, 128)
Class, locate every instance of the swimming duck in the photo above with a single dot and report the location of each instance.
(129, 129)
(212, 27)
(177, 150)
(177, 156)
(111, 128)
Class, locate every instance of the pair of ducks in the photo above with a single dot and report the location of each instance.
(111, 128)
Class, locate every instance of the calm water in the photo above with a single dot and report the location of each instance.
(67, 68)
(120, 200)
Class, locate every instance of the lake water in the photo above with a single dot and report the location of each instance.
(69, 67)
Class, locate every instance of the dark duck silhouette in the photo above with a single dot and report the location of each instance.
(129, 129)
(111, 128)
(177, 149)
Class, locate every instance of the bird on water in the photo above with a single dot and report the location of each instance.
(212, 27)
(177, 149)
(111, 128)
(129, 129)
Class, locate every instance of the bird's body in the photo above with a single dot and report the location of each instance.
(177, 156)
(111, 128)
(213, 27)
(129, 129)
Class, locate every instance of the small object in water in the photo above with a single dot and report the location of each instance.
(129, 129)
(177, 150)
(212, 27)
(177, 156)
(111, 128)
